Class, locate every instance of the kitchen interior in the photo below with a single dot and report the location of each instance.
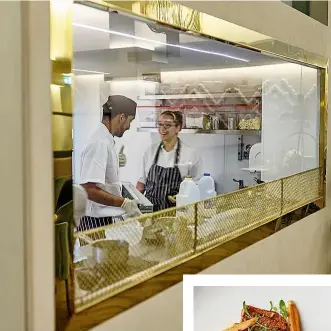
(252, 117)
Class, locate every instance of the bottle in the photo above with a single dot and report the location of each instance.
(206, 187)
(188, 192)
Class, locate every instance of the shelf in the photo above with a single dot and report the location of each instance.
(197, 96)
(203, 131)
(255, 170)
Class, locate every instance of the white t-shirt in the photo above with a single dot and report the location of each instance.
(100, 165)
(189, 164)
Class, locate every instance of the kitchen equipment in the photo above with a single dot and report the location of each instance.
(170, 232)
(194, 121)
(240, 183)
(129, 191)
(255, 157)
(104, 251)
(258, 181)
(231, 123)
(130, 231)
(216, 123)
(113, 252)
(155, 233)
(207, 122)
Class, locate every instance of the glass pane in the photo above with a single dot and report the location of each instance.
(211, 118)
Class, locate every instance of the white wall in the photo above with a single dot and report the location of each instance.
(12, 276)
(303, 247)
(26, 254)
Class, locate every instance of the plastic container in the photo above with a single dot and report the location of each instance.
(188, 192)
(206, 187)
(249, 122)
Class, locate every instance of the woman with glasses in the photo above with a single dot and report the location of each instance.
(165, 165)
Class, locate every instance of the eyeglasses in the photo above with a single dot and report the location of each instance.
(166, 126)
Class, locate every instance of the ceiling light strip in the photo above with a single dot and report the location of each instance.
(84, 26)
(91, 71)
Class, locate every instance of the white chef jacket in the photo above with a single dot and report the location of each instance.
(189, 164)
(100, 165)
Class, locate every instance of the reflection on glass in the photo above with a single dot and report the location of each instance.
(234, 102)
(226, 116)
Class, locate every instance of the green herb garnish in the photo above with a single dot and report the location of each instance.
(245, 309)
(273, 308)
(283, 309)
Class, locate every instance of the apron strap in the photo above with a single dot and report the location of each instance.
(156, 158)
(177, 154)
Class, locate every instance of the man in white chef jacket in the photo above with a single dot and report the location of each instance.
(100, 167)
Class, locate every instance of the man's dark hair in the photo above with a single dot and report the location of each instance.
(119, 104)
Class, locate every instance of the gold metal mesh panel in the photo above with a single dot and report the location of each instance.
(231, 215)
(300, 189)
(119, 256)
(114, 258)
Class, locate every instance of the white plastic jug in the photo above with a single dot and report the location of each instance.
(206, 187)
(188, 192)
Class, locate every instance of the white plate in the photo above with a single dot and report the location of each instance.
(217, 308)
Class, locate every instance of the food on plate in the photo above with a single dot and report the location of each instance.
(267, 319)
(293, 317)
(243, 325)
(281, 318)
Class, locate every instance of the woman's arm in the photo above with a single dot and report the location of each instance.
(140, 187)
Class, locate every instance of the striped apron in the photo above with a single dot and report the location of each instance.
(89, 222)
(163, 182)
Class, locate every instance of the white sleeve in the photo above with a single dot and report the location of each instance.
(142, 169)
(196, 169)
(94, 163)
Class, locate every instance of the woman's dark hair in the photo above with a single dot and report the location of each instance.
(176, 115)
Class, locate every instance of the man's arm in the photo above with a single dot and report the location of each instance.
(98, 195)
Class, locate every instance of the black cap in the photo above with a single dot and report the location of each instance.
(119, 104)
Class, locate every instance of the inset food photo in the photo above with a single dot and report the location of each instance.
(280, 307)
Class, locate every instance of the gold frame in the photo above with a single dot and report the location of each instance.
(61, 32)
